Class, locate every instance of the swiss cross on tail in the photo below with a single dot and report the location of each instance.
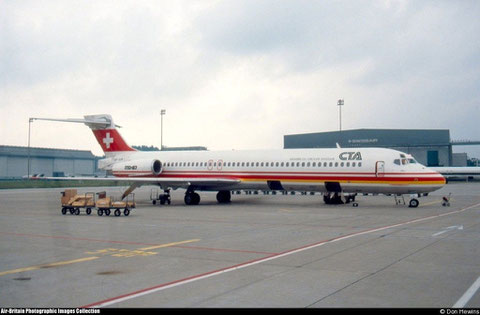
(111, 141)
(107, 140)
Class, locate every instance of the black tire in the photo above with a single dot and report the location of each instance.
(192, 199)
(188, 199)
(224, 196)
(118, 212)
(126, 212)
(64, 210)
(88, 211)
(107, 212)
(77, 211)
(413, 203)
(100, 212)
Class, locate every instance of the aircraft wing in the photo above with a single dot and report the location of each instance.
(164, 182)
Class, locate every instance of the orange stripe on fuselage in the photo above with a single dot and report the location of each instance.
(342, 177)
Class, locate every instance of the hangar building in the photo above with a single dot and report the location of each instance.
(50, 162)
(429, 147)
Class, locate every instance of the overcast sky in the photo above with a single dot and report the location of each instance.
(237, 74)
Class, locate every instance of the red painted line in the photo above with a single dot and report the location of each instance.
(137, 243)
(205, 275)
(225, 250)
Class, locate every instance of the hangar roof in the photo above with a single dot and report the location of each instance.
(6, 150)
(370, 138)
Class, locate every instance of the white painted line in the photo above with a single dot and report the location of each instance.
(458, 227)
(439, 233)
(468, 294)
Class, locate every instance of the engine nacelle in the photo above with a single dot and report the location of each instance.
(137, 168)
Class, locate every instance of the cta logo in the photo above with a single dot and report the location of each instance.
(350, 156)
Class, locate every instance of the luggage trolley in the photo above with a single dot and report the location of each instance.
(72, 202)
(105, 205)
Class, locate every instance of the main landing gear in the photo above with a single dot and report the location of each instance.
(192, 198)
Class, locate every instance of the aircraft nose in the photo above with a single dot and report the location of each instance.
(438, 175)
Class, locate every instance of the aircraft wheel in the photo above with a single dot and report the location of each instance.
(117, 213)
(192, 198)
(224, 196)
(413, 203)
(126, 212)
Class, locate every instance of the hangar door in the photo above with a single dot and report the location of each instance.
(432, 158)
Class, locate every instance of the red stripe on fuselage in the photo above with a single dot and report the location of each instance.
(285, 176)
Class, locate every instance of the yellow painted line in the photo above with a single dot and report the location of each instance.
(433, 202)
(170, 244)
(56, 264)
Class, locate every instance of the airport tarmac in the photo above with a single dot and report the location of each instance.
(278, 251)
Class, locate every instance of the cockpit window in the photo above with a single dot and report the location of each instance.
(405, 160)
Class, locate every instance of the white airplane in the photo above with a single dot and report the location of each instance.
(338, 173)
(458, 172)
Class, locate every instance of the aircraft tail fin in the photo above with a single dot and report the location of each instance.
(106, 133)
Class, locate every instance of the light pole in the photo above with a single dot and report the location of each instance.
(162, 112)
(30, 120)
(340, 103)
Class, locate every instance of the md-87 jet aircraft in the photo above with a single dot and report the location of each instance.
(338, 173)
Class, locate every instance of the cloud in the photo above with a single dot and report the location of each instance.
(238, 74)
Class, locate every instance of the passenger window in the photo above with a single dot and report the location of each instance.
(341, 164)
(359, 164)
(336, 164)
(348, 164)
(308, 164)
(354, 164)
